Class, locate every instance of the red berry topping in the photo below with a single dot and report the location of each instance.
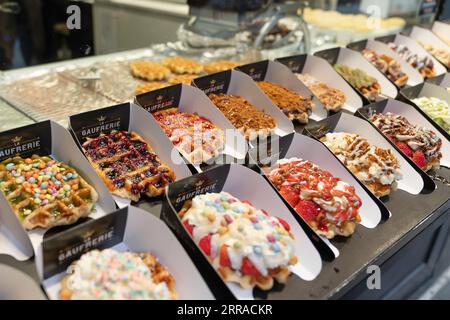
(224, 258)
(285, 225)
(405, 149)
(419, 159)
(307, 209)
(205, 244)
(189, 227)
(248, 268)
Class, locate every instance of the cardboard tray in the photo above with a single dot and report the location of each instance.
(325, 73)
(128, 117)
(354, 60)
(443, 80)
(304, 147)
(416, 48)
(192, 100)
(414, 180)
(45, 139)
(414, 76)
(233, 82)
(426, 90)
(128, 229)
(278, 73)
(244, 184)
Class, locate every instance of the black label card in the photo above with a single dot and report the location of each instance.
(320, 128)
(268, 153)
(93, 123)
(436, 80)
(294, 63)
(164, 98)
(62, 249)
(331, 55)
(210, 181)
(257, 71)
(358, 45)
(26, 141)
(413, 92)
(386, 39)
(214, 83)
(371, 109)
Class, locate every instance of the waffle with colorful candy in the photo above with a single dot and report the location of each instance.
(114, 275)
(377, 168)
(128, 165)
(420, 144)
(44, 192)
(244, 244)
(329, 205)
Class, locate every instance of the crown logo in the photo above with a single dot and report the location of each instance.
(88, 234)
(160, 97)
(213, 81)
(16, 139)
(101, 118)
(252, 70)
(199, 183)
(290, 63)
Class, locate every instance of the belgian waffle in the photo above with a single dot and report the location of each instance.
(113, 275)
(148, 70)
(367, 85)
(221, 65)
(293, 105)
(180, 65)
(244, 244)
(44, 192)
(149, 86)
(128, 165)
(333, 99)
(182, 78)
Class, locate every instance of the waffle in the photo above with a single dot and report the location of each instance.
(250, 121)
(149, 71)
(442, 54)
(293, 105)
(44, 192)
(420, 144)
(329, 205)
(180, 65)
(331, 98)
(377, 168)
(367, 85)
(182, 78)
(388, 66)
(223, 227)
(423, 64)
(128, 165)
(219, 66)
(149, 86)
(197, 138)
(113, 275)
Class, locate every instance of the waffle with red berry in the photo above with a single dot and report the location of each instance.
(244, 244)
(329, 205)
(44, 192)
(420, 144)
(128, 165)
(196, 137)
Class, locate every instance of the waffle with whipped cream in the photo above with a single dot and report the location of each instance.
(420, 144)
(377, 168)
(244, 244)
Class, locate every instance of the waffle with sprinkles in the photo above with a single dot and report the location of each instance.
(128, 165)
(44, 192)
(244, 244)
(114, 275)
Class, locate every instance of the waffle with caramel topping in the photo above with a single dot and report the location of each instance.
(293, 105)
(44, 192)
(250, 121)
(128, 165)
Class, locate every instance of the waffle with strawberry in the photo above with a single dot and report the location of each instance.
(244, 244)
(420, 144)
(329, 205)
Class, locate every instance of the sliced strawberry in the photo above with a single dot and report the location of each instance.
(285, 225)
(224, 258)
(189, 227)
(205, 244)
(419, 159)
(247, 202)
(290, 195)
(405, 148)
(307, 209)
(248, 268)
